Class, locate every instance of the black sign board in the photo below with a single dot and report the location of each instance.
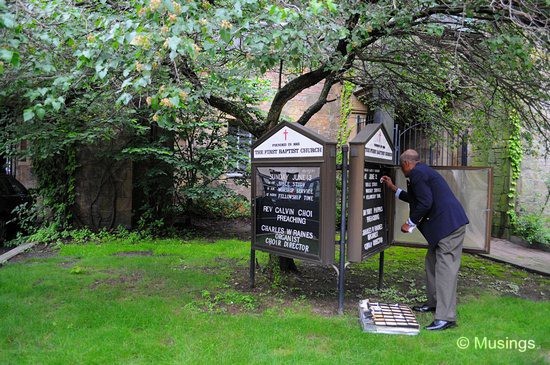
(373, 213)
(293, 194)
(287, 209)
(371, 157)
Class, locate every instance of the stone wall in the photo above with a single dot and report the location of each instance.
(103, 190)
(534, 182)
(533, 186)
(23, 173)
(497, 158)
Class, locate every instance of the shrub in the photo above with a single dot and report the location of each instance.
(213, 201)
(534, 228)
(54, 234)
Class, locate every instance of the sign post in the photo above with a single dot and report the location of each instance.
(371, 157)
(294, 194)
(343, 222)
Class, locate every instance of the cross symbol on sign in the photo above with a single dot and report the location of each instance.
(285, 133)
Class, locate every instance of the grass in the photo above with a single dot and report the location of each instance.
(175, 302)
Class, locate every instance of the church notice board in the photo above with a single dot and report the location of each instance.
(294, 194)
(371, 157)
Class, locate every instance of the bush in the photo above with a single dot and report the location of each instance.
(55, 235)
(234, 206)
(534, 228)
(215, 202)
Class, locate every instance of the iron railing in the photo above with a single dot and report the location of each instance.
(436, 146)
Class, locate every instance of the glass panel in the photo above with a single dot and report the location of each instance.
(288, 209)
(472, 187)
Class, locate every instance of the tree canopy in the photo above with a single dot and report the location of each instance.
(153, 58)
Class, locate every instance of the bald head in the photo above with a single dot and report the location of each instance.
(408, 161)
(409, 156)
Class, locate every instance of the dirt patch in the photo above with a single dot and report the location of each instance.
(134, 253)
(39, 251)
(314, 285)
(317, 286)
(128, 281)
(212, 229)
(69, 263)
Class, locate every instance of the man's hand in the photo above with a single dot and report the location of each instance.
(387, 181)
(405, 228)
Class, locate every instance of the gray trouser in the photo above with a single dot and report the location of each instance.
(442, 264)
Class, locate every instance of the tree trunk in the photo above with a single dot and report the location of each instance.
(287, 265)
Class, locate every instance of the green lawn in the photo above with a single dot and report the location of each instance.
(174, 302)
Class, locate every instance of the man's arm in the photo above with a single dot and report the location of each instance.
(423, 196)
(409, 226)
(399, 193)
(402, 195)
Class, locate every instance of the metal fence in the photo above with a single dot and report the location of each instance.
(436, 146)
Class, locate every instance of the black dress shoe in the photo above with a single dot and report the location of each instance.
(423, 308)
(439, 325)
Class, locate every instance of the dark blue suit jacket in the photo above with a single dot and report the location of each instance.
(433, 207)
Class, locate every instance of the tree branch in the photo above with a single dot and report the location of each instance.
(246, 116)
(309, 79)
(321, 101)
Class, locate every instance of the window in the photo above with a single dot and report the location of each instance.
(363, 119)
(240, 142)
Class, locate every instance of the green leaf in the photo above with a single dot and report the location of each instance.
(316, 7)
(126, 82)
(155, 104)
(6, 54)
(56, 104)
(142, 82)
(175, 100)
(7, 20)
(331, 6)
(225, 34)
(28, 114)
(129, 37)
(124, 99)
(237, 9)
(173, 43)
(15, 59)
(102, 73)
(173, 55)
(40, 112)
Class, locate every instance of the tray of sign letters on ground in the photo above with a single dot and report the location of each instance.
(387, 318)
